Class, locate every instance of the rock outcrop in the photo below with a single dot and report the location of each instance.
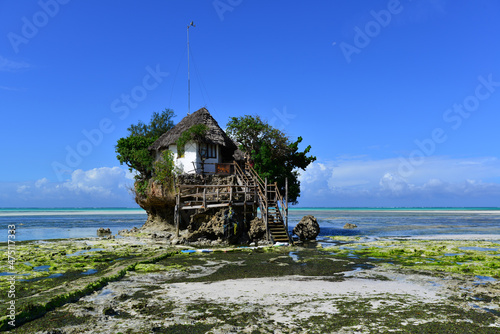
(101, 231)
(257, 229)
(307, 228)
(350, 226)
(222, 224)
(158, 203)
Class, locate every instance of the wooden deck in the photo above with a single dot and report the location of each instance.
(251, 192)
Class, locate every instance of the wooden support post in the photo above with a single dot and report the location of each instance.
(265, 189)
(245, 213)
(204, 198)
(177, 215)
(266, 220)
(286, 204)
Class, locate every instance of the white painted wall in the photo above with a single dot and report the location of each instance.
(191, 153)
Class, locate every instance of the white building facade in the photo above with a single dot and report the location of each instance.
(202, 156)
(197, 158)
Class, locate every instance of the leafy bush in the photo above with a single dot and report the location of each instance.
(197, 133)
(165, 170)
(133, 150)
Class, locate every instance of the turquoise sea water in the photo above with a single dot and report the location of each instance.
(405, 222)
(416, 209)
(55, 223)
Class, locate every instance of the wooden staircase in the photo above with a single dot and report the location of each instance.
(272, 205)
(276, 225)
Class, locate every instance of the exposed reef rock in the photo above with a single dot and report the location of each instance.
(222, 224)
(257, 229)
(101, 231)
(307, 228)
(350, 226)
(159, 204)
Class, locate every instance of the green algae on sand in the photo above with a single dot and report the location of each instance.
(475, 258)
(140, 282)
(69, 270)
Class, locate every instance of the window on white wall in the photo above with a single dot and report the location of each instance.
(209, 151)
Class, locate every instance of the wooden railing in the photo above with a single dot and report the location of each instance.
(252, 191)
(283, 203)
(211, 196)
(219, 168)
(268, 193)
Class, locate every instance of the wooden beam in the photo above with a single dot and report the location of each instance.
(286, 203)
(215, 205)
(205, 198)
(177, 215)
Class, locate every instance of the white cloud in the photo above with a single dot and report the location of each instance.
(22, 189)
(98, 181)
(41, 182)
(98, 187)
(394, 184)
(439, 181)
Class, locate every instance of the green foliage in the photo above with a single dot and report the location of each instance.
(133, 150)
(197, 133)
(251, 133)
(158, 125)
(165, 170)
(141, 187)
(274, 155)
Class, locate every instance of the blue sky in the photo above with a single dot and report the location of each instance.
(399, 100)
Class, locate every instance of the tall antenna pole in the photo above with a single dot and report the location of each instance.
(189, 79)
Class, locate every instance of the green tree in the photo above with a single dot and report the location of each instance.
(158, 125)
(133, 149)
(133, 152)
(275, 157)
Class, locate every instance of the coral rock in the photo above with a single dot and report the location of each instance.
(307, 228)
(349, 226)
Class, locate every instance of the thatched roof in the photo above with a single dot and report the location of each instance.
(215, 135)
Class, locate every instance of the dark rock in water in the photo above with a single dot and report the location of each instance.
(307, 228)
(349, 226)
(103, 231)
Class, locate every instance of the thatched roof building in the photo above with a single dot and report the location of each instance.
(224, 147)
(214, 135)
